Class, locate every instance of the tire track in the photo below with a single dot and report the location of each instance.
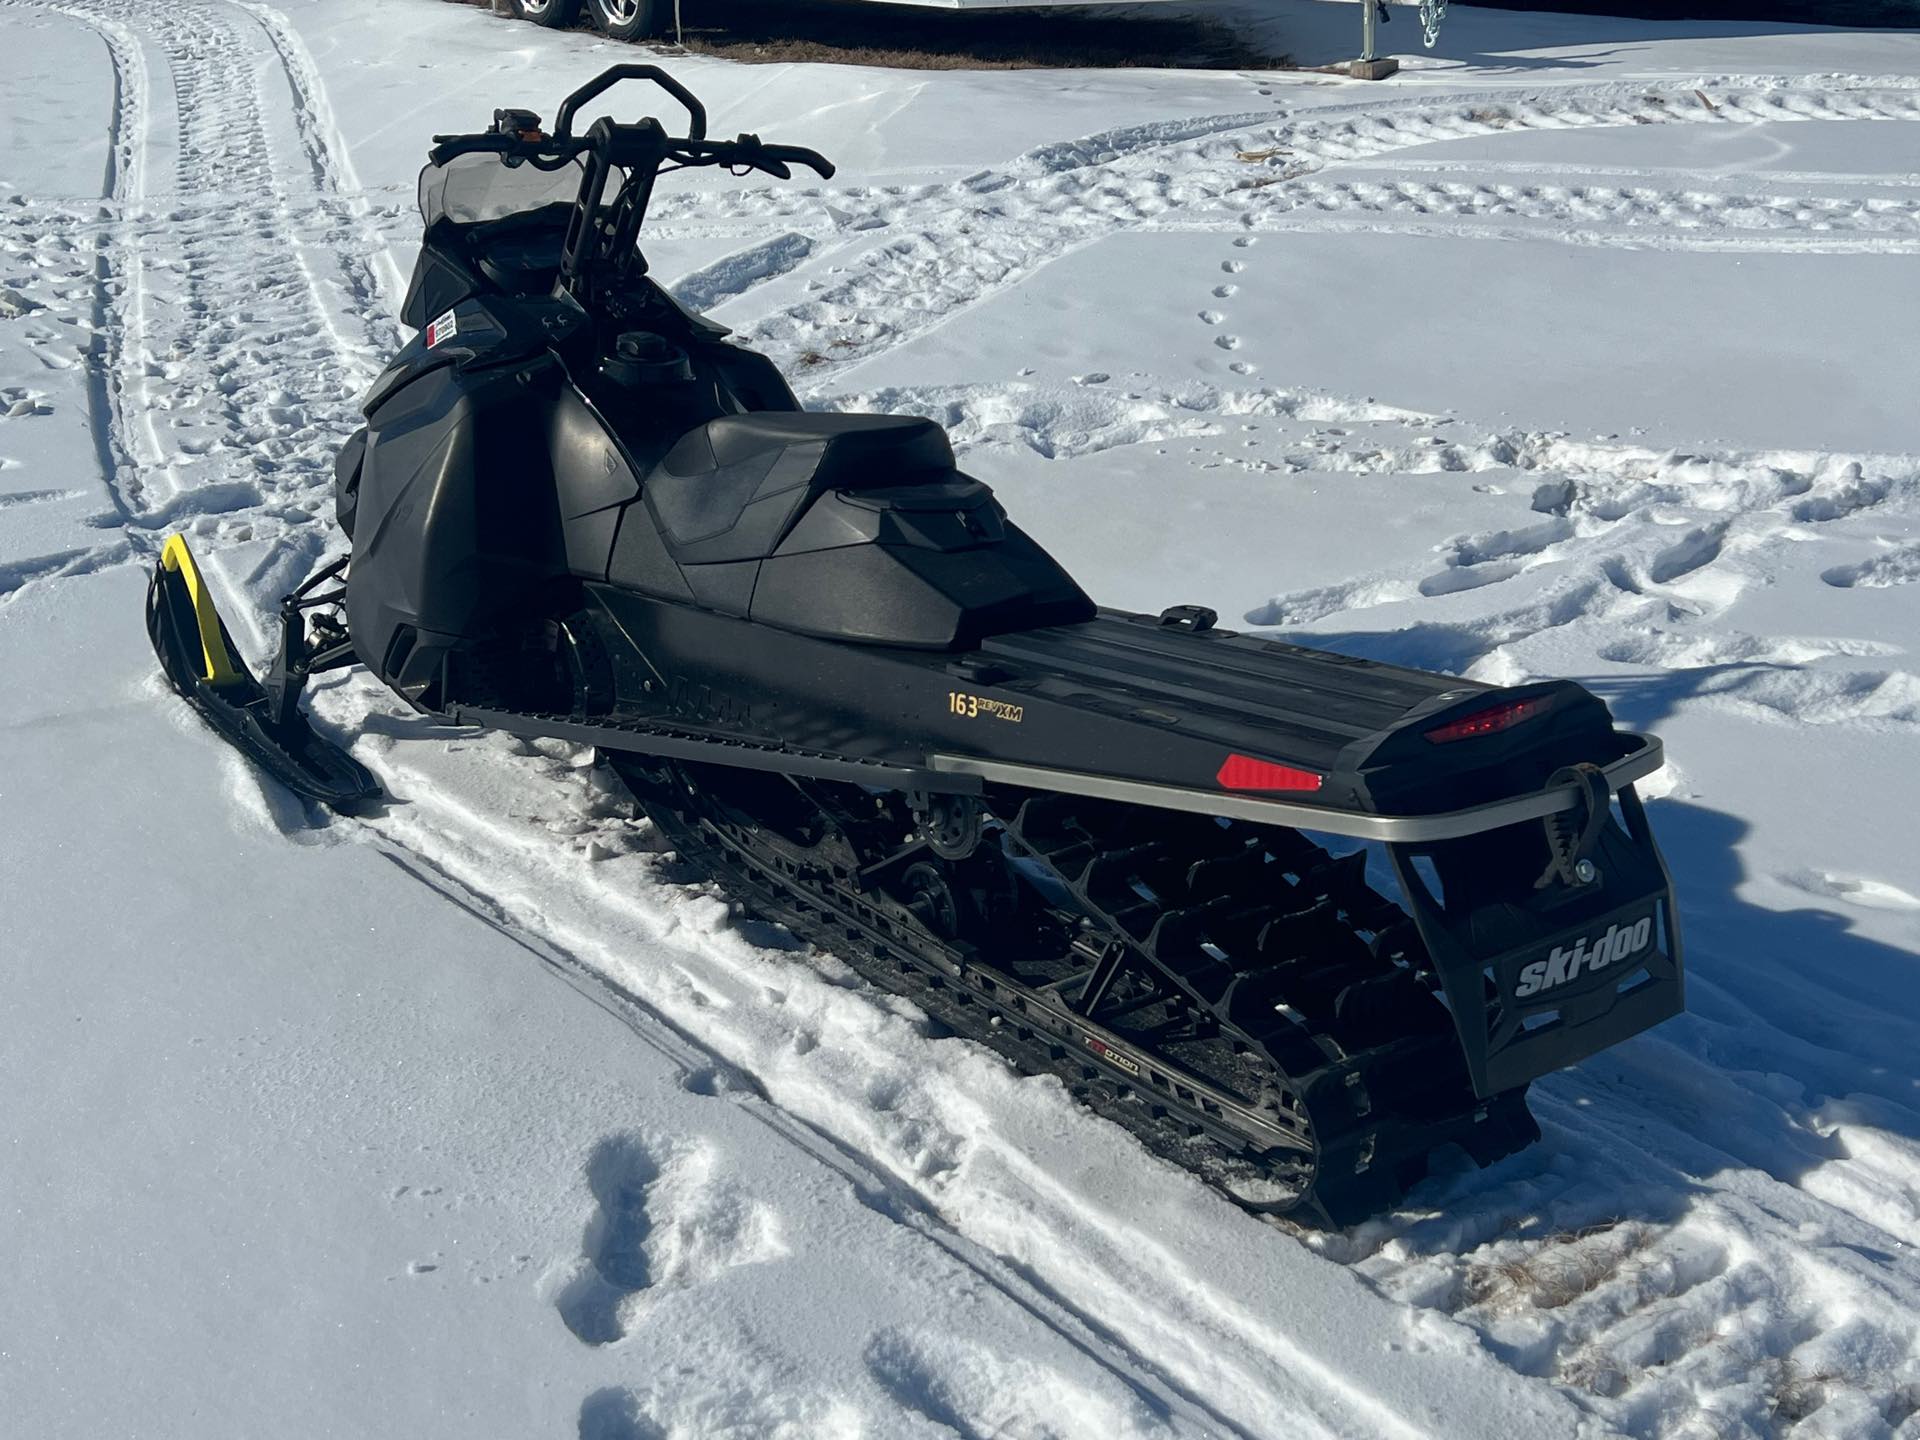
(1197, 1337)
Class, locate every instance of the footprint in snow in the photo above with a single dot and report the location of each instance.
(976, 1392)
(1853, 889)
(615, 1414)
(1896, 567)
(663, 1220)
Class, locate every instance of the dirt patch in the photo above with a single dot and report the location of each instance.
(845, 32)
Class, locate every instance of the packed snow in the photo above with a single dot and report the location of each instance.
(1582, 348)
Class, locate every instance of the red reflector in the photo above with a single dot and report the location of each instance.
(1489, 722)
(1243, 772)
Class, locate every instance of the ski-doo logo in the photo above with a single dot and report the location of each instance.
(1568, 963)
(445, 328)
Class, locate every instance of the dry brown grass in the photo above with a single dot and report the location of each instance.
(837, 32)
(1596, 1372)
(1560, 1269)
(1797, 1392)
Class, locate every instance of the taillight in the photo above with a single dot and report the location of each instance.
(1243, 772)
(1490, 721)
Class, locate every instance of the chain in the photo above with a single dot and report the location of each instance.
(1432, 12)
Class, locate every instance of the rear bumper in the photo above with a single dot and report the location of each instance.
(1643, 760)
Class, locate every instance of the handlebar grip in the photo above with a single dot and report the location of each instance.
(800, 155)
(607, 79)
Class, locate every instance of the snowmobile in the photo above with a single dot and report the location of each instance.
(1296, 919)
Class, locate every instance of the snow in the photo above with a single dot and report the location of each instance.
(1578, 349)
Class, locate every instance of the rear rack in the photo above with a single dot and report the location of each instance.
(1646, 758)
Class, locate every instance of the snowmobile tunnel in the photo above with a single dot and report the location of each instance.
(1645, 759)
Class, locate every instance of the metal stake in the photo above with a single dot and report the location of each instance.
(1370, 66)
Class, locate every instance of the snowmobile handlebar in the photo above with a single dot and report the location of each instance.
(747, 152)
(607, 79)
(517, 137)
(550, 152)
(603, 233)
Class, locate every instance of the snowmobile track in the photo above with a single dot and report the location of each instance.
(1387, 1100)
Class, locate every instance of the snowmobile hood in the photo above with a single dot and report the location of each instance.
(477, 333)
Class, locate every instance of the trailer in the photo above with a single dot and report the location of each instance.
(642, 19)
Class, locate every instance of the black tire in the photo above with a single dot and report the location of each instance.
(547, 12)
(632, 19)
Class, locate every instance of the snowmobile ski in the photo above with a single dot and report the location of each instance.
(202, 663)
(1296, 919)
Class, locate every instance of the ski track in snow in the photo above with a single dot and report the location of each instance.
(235, 314)
(227, 297)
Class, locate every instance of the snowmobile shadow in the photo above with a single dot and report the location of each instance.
(309, 822)
(1790, 966)
(1795, 1022)
(1796, 1019)
(1642, 702)
(1447, 649)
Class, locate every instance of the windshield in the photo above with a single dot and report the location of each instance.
(469, 189)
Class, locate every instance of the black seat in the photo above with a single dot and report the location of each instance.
(733, 487)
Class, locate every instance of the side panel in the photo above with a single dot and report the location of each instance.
(346, 480)
(457, 521)
(594, 482)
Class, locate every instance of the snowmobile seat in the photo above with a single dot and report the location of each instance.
(849, 527)
(732, 488)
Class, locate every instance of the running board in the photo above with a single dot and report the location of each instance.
(639, 739)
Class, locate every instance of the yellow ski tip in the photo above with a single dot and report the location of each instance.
(218, 667)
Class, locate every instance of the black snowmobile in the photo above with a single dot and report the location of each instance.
(846, 685)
